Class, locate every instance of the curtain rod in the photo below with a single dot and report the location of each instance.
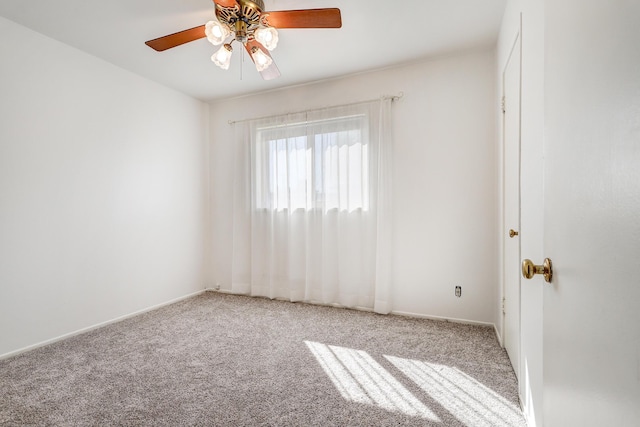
(382, 98)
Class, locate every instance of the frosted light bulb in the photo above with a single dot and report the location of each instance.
(261, 59)
(216, 32)
(222, 58)
(268, 37)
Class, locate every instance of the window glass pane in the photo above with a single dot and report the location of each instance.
(322, 165)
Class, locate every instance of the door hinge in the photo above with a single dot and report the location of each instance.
(503, 105)
(503, 306)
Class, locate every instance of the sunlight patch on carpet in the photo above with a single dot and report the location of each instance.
(465, 398)
(359, 378)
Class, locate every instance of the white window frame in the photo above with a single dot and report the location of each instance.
(316, 196)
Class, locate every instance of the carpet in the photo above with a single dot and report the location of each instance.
(227, 360)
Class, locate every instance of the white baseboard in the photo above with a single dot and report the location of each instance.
(228, 292)
(442, 319)
(96, 326)
(222, 291)
(398, 313)
(498, 335)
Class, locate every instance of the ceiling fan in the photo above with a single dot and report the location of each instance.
(248, 24)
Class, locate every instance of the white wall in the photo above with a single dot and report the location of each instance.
(531, 187)
(102, 191)
(445, 178)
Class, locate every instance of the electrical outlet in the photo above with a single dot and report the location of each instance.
(458, 291)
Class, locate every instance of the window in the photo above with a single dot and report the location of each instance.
(319, 165)
(312, 210)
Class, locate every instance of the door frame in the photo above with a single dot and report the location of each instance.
(517, 42)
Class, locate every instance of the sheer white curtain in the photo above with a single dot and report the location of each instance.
(311, 206)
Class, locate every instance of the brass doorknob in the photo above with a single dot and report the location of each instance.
(529, 269)
(513, 233)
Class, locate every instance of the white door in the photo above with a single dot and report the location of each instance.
(592, 213)
(511, 208)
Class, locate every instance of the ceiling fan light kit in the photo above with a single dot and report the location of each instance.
(222, 58)
(267, 37)
(261, 60)
(248, 23)
(216, 32)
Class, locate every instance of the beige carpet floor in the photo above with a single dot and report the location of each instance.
(224, 360)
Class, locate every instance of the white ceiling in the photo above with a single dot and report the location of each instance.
(374, 34)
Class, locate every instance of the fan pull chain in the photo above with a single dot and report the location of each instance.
(241, 64)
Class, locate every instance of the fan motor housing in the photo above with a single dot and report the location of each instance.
(242, 19)
(253, 4)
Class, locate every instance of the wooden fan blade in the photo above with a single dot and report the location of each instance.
(309, 18)
(272, 72)
(176, 39)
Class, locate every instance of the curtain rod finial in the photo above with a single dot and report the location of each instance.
(393, 97)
